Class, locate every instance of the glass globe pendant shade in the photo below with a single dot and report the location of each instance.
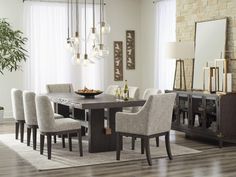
(87, 60)
(76, 59)
(76, 39)
(93, 37)
(102, 50)
(104, 27)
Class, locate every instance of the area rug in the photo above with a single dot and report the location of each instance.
(63, 158)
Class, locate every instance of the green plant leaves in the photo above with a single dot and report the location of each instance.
(12, 51)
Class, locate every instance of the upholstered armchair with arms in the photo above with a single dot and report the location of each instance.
(146, 94)
(134, 94)
(152, 120)
(111, 89)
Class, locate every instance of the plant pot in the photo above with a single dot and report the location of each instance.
(1, 113)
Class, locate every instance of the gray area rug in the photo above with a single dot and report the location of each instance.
(63, 158)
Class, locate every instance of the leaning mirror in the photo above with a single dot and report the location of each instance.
(210, 40)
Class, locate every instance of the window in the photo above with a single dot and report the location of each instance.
(49, 61)
(165, 32)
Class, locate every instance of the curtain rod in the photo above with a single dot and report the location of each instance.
(55, 1)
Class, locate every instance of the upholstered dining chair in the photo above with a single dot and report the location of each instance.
(111, 89)
(153, 120)
(150, 91)
(31, 117)
(133, 93)
(49, 126)
(18, 112)
(146, 94)
(59, 88)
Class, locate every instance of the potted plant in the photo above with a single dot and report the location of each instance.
(12, 51)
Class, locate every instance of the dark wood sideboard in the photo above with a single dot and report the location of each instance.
(207, 115)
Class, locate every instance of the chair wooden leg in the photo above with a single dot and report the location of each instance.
(49, 145)
(133, 143)
(34, 137)
(80, 143)
(147, 148)
(69, 142)
(63, 141)
(142, 146)
(157, 141)
(28, 136)
(17, 130)
(41, 143)
(167, 142)
(118, 145)
(22, 132)
(55, 138)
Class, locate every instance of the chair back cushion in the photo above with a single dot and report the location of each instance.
(160, 110)
(150, 91)
(29, 108)
(17, 104)
(134, 92)
(111, 89)
(59, 88)
(45, 115)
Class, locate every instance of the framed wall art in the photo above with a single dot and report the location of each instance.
(130, 49)
(118, 60)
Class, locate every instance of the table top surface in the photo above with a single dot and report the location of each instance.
(98, 102)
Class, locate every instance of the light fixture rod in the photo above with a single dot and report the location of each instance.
(71, 11)
(101, 22)
(68, 19)
(77, 17)
(93, 13)
(85, 25)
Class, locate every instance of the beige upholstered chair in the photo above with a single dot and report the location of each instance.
(133, 93)
(31, 117)
(59, 88)
(146, 94)
(150, 91)
(111, 89)
(49, 126)
(18, 112)
(153, 120)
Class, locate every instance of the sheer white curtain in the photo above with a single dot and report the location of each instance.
(165, 32)
(49, 61)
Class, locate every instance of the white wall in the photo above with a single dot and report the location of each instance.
(123, 15)
(13, 11)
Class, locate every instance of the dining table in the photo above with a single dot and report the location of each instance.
(92, 113)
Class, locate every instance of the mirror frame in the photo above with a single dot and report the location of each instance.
(195, 35)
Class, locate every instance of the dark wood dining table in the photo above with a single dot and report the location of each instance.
(100, 138)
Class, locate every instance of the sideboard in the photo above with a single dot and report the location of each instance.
(207, 115)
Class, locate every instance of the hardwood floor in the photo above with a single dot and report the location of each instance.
(212, 161)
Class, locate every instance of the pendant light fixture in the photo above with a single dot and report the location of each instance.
(76, 57)
(104, 26)
(86, 59)
(95, 38)
(102, 50)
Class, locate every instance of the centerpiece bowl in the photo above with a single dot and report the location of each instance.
(88, 93)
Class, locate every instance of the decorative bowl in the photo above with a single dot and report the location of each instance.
(88, 95)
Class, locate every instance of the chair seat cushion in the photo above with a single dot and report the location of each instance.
(58, 116)
(66, 124)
